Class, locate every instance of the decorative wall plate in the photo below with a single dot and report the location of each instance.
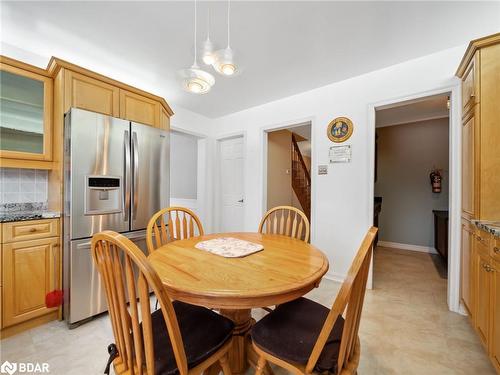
(340, 129)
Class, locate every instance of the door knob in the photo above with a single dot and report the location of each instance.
(496, 250)
(240, 201)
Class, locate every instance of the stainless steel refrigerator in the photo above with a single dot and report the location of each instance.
(116, 178)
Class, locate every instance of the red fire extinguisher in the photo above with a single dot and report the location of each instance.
(436, 181)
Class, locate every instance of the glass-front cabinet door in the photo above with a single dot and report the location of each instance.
(25, 114)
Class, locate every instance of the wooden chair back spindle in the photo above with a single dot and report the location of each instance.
(170, 224)
(285, 220)
(349, 303)
(128, 277)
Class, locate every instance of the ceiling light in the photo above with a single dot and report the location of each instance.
(195, 80)
(224, 58)
(208, 52)
(208, 56)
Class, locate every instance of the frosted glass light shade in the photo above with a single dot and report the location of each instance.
(224, 62)
(207, 54)
(195, 80)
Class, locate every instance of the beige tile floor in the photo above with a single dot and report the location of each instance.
(406, 328)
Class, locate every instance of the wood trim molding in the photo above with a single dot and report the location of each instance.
(55, 64)
(474, 45)
(23, 163)
(404, 246)
(24, 66)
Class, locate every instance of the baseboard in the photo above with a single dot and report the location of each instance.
(404, 246)
(333, 276)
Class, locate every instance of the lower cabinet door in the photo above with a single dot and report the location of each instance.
(467, 266)
(483, 287)
(30, 271)
(495, 315)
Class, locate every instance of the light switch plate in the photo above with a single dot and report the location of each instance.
(322, 169)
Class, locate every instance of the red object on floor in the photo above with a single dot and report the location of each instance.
(54, 298)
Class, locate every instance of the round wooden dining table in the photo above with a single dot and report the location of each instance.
(284, 270)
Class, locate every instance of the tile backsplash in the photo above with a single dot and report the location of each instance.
(23, 185)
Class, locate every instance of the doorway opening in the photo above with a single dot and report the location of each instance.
(411, 196)
(289, 168)
(187, 180)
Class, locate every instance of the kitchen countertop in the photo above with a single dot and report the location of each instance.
(489, 226)
(6, 217)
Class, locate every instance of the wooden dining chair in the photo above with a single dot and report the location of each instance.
(176, 339)
(170, 224)
(305, 337)
(285, 220)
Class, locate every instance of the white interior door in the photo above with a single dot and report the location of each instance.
(231, 164)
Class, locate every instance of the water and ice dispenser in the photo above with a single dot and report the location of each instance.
(103, 195)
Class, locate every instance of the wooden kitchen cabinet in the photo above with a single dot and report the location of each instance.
(25, 114)
(482, 288)
(30, 271)
(138, 108)
(29, 230)
(467, 267)
(495, 314)
(164, 119)
(479, 71)
(480, 74)
(470, 90)
(82, 91)
(30, 268)
(468, 168)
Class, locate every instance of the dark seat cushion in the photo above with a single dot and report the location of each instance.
(203, 333)
(291, 330)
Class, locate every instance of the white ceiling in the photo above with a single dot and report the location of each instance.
(428, 108)
(285, 47)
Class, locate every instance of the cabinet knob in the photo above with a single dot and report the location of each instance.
(33, 230)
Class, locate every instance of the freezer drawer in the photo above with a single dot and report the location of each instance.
(85, 295)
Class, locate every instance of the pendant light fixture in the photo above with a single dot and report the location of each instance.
(195, 80)
(208, 55)
(224, 59)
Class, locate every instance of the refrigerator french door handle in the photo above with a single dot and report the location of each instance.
(126, 169)
(135, 162)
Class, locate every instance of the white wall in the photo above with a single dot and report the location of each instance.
(183, 165)
(341, 204)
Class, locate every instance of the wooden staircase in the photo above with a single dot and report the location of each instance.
(301, 179)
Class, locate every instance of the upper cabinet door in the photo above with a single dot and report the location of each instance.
(468, 169)
(138, 108)
(470, 90)
(91, 94)
(25, 114)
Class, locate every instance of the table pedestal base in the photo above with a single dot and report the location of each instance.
(241, 355)
(237, 354)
